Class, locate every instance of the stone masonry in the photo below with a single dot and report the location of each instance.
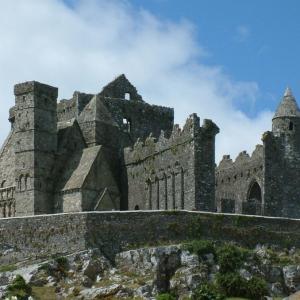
(267, 182)
(109, 151)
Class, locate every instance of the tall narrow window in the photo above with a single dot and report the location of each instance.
(182, 189)
(157, 193)
(166, 191)
(149, 186)
(127, 96)
(26, 182)
(291, 126)
(173, 191)
(127, 124)
(21, 183)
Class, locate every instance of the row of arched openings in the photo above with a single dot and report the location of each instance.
(24, 182)
(7, 210)
(167, 192)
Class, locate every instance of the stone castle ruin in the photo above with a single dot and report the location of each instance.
(267, 182)
(114, 151)
(109, 151)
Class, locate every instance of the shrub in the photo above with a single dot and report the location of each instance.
(257, 288)
(230, 257)
(46, 267)
(200, 247)
(233, 285)
(18, 288)
(207, 292)
(62, 262)
(62, 265)
(165, 296)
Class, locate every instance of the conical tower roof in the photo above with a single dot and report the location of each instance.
(288, 106)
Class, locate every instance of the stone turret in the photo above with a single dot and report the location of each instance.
(282, 160)
(287, 115)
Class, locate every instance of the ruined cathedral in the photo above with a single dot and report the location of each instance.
(114, 151)
(109, 151)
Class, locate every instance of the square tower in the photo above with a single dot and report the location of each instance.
(35, 148)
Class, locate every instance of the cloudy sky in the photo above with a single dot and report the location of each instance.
(229, 61)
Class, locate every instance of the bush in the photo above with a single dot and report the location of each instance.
(230, 258)
(18, 288)
(200, 247)
(62, 262)
(233, 285)
(257, 288)
(165, 296)
(62, 265)
(207, 292)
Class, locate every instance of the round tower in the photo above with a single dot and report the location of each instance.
(287, 116)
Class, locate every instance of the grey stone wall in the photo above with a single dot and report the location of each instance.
(282, 172)
(234, 181)
(68, 109)
(175, 172)
(40, 237)
(271, 186)
(138, 119)
(7, 162)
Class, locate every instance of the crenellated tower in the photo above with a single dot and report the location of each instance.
(282, 160)
(35, 147)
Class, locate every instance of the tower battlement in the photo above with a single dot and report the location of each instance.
(152, 146)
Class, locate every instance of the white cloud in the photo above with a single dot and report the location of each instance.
(85, 47)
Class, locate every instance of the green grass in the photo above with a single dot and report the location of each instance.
(44, 293)
(234, 298)
(8, 268)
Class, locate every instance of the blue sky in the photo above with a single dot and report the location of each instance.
(226, 60)
(257, 40)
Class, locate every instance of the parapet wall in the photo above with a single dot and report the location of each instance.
(162, 173)
(235, 178)
(68, 109)
(142, 150)
(40, 237)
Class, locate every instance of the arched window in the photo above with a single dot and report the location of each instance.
(254, 192)
(254, 200)
(166, 191)
(291, 126)
(136, 207)
(157, 193)
(182, 188)
(21, 183)
(27, 183)
(3, 183)
(173, 191)
(149, 187)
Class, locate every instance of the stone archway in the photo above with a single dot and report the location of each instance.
(254, 200)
